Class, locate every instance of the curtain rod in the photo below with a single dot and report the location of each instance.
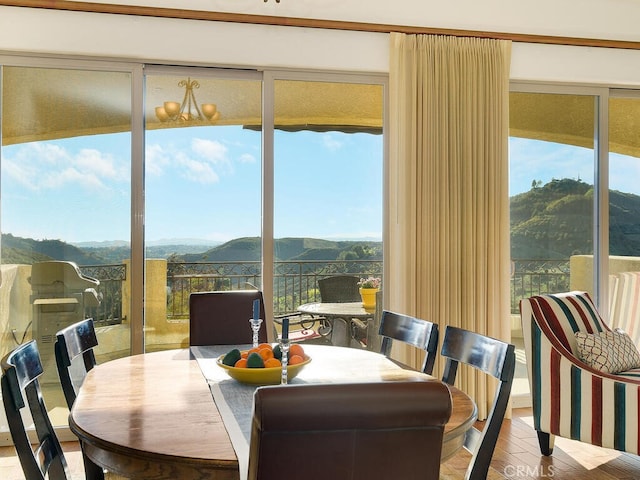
(186, 14)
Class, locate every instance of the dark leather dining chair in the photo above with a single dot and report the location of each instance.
(493, 357)
(21, 369)
(412, 331)
(77, 340)
(222, 318)
(74, 341)
(364, 431)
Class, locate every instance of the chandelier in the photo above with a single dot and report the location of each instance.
(188, 111)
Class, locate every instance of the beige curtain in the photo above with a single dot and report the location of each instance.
(448, 251)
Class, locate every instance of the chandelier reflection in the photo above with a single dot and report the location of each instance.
(188, 111)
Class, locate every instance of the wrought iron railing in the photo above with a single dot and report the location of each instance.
(110, 291)
(533, 277)
(295, 282)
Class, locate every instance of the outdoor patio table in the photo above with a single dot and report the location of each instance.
(342, 317)
(153, 416)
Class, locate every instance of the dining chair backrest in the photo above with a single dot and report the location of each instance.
(339, 289)
(21, 389)
(493, 357)
(413, 331)
(367, 431)
(222, 318)
(77, 340)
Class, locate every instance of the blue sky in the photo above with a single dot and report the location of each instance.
(537, 160)
(204, 183)
(201, 183)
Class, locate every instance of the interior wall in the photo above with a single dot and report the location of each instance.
(190, 42)
(602, 19)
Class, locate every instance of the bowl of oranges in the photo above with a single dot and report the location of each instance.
(262, 365)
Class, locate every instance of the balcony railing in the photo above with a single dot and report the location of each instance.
(111, 278)
(295, 282)
(533, 277)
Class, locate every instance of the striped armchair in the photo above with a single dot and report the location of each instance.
(571, 399)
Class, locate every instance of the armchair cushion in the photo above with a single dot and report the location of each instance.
(608, 351)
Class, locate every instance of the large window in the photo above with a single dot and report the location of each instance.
(328, 158)
(161, 181)
(552, 184)
(574, 198)
(65, 184)
(203, 193)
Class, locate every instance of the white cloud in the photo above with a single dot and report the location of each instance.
(40, 166)
(156, 160)
(331, 143)
(247, 158)
(197, 171)
(210, 150)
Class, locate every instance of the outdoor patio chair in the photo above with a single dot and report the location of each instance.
(495, 358)
(412, 331)
(367, 431)
(339, 289)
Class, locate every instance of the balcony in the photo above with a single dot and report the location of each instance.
(169, 285)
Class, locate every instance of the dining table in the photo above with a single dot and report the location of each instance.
(344, 318)
(177, 414)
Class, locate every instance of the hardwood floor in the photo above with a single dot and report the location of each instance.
(517, 457)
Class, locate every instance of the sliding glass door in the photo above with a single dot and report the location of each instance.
(156, 182)
(203, 193)
(328, 186)
(66, 210)
(552, 159)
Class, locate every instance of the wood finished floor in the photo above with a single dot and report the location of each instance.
(517, 457)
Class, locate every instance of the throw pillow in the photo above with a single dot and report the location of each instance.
(609, 352)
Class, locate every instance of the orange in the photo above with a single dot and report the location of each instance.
(265, 353)
(244, 354)
(272, 362)
(242, 363)
(265, 345)
(251, 350)
(296, 349)
(295, 359)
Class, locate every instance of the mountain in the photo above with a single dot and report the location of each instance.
(551, 221)
(555, 221)
(27, 250)
(249, 249)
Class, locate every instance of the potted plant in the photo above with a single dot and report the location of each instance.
(368, 288)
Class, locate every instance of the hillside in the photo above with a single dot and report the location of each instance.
(551, 221)
(556, 221)
(248, 249)
(26, 250)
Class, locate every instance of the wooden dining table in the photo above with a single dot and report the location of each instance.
(153, 416)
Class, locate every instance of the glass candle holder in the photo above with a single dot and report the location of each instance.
(284, 348)
(255, 327)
